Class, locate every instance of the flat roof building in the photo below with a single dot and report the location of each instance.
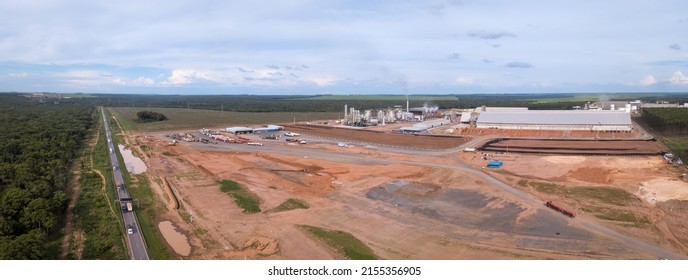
(268, 129)
(239, 129)
(556, 120)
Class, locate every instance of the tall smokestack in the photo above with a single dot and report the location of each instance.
(407, 104)
(346, 114)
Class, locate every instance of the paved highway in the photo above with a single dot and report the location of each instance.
(137, 246)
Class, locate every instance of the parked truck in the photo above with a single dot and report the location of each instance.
(558, 208)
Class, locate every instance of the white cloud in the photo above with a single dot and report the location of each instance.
(648, 80)
(144, 81)
(679, 79)
(462, 80)
(232, 44)
(188, 76)
(19, 75)
(321, 80)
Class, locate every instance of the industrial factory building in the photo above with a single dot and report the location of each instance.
(609, 121)
(423, 126)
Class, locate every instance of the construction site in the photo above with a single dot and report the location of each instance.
(451, 189)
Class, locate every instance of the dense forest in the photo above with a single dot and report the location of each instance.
(671, 121)
(671, 126)
(38, 143)
(303, 103)
(149, 116)
(294, 103)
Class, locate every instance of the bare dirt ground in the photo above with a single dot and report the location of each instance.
(402, 206)
(658, 204)
(592, 147)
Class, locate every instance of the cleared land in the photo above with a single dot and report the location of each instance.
(193, 118)
(640, 196)
(422, 205)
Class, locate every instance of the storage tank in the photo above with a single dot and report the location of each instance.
(628, 108)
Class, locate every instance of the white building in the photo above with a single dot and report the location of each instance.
(619, 121)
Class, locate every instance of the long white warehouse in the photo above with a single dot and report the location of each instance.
(612, 121)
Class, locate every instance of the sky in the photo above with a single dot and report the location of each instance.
(344, 47)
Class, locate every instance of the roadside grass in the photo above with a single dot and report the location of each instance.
(616, 215)
(611, 206)
(147, 204)
(677, 144)
(289, 204)
(548, 187)
(195, 119)
(345, 243)
(99, 242)
(102, 233)
(243, 198)
(382, 97)
(146, 216)
(607, 195)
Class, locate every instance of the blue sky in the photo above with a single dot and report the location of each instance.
(343, 47)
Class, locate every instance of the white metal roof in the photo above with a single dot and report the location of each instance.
(238, 128)
(416, 129)
(555, 117)
(432, 123)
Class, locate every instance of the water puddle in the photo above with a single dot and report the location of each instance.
(177, 240)
(134, 164)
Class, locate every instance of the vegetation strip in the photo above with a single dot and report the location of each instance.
(345, 243)
(243, 198)
(147, 205)
(289, 204)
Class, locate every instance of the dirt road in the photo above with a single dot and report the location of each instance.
(533, 211)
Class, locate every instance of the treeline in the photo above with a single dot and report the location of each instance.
(150, 116)
(670, 121)
(38, 143)
(299, 103)
(102, 234)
